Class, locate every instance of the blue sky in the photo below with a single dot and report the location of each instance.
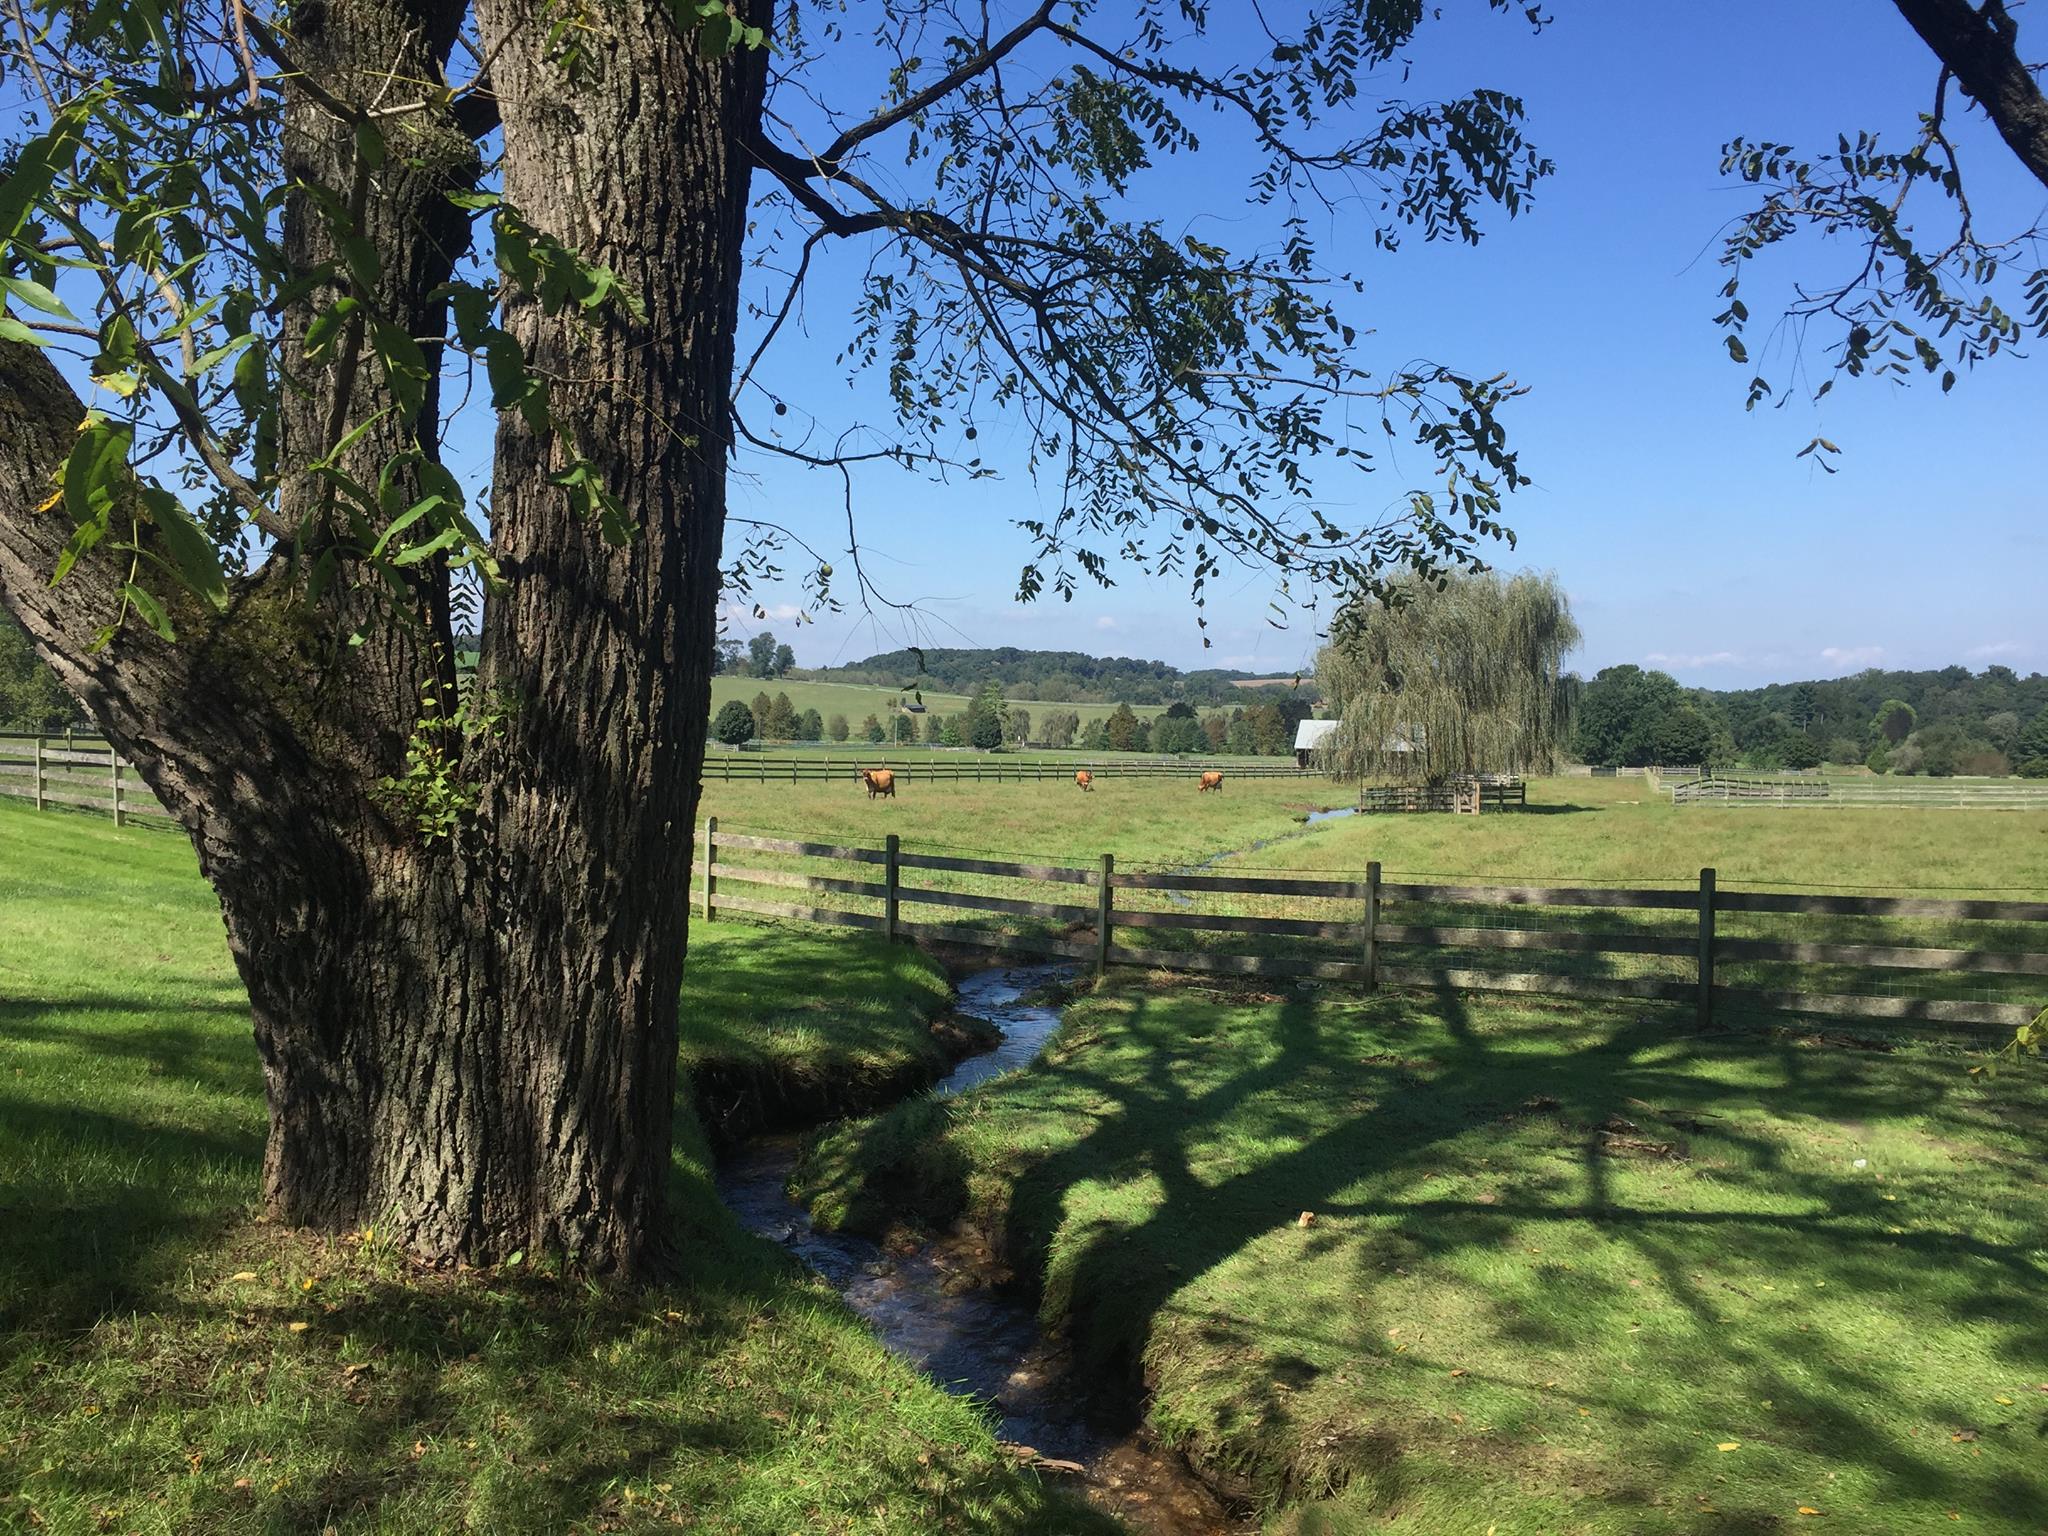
(1688, 534)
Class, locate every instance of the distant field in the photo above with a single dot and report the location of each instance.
(857, 701)
(1590, 830)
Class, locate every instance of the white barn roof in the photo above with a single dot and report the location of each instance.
(1311, 734)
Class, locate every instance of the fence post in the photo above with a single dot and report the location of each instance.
(1706, 948)
(39, 774)
(710, 862)
(1372, 926)
(114, 774)
(1102, 899)
(891, 881)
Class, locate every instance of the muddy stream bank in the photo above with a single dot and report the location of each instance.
(932, 1304)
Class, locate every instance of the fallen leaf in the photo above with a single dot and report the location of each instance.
(1585, 1413)
(243, 1275)
(1457, 1373)
(2002, 1398)
(1964, 1434)
(242, 1482)
(1305, 1219)
(419, 1449)
(298, 1327)
(1729, 1445)
(1808, 1509)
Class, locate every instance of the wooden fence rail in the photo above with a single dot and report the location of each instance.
(1374, 932)
(1816, 792)
(89, 773)
(980, 768)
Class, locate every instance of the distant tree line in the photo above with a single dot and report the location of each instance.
(1951, 721)
(762, 656)
(1067, 677)
(991, 723)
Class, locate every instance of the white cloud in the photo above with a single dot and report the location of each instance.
(1852, 655)
(1706, 659)
(1105, 622)
(1998, 648)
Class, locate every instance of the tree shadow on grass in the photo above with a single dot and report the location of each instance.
(1363, 1138)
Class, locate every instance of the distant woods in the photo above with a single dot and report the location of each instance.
(1942, 722)
(1438, 680)
(1065, 677)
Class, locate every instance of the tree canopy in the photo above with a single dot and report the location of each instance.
(1440, 679)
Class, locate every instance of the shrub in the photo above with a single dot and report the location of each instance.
(2034, 768)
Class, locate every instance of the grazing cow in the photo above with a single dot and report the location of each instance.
(1085, 779)
(1211, 780)
(880, 781)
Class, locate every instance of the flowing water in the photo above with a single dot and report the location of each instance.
(932, 1307)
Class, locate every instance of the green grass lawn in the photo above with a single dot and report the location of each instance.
(1570, 1269)
(1143, 822)
(1576, 831)
(170, 1365)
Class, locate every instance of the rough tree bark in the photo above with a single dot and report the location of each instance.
(470, 1041)
(1979, 45)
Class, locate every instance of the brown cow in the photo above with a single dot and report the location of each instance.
(1085, 779)
(1211, 780)
(880, 781)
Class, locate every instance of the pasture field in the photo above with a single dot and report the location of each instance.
(170, 1365)
(1565, 1268)
(1575, 830)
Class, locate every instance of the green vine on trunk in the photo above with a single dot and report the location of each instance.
(432, 793)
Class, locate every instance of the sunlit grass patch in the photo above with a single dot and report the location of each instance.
(170, 1365)
(1555, 1257)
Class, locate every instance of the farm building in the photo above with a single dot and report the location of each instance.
(1311, 734)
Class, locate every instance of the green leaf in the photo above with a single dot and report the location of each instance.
(82, 539)
(118, 345)
(191, 551)
(36, 296)
(12, 329)
(93, 470)
(327, 325)
(405, 365)
(42, 160)
(403, 521)
(447, 538)
(151, 610)
(206, 362)
(370, 143)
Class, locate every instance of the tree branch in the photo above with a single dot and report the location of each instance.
(1981, 47)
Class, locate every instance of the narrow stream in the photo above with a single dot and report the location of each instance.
(928, 1307)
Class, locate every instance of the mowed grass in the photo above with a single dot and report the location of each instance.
(1576, 831)
(1143, 822)
(1568, 1269)
(1595, 831)
(169, 1364)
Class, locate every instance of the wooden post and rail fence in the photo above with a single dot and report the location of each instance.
(86, 772)
(1375, 932)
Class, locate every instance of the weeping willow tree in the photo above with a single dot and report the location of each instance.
(1436, 681)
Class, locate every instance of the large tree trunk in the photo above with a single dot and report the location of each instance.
(469, 1041)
